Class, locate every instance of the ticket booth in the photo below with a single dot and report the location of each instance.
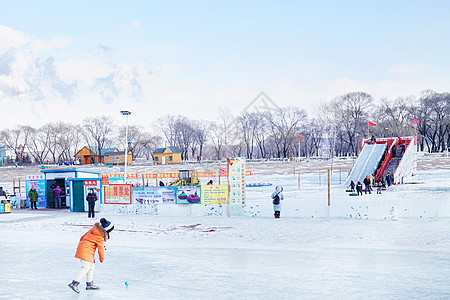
(60, 177)
(79, 189)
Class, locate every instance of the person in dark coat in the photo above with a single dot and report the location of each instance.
(33, 195)
(352, 186)
(2, 192)
(161, 183)
(91, 198)
(366, 182)
(388, 179)
(57, 192)
(359, 188)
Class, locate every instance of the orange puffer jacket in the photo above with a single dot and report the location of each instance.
(90, 241)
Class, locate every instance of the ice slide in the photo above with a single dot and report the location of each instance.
(366, 163)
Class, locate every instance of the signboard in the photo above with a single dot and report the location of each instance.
(236, 180)
(150, 195)
(117, 194)
(214, 194)
(188, 194)
(38, 181)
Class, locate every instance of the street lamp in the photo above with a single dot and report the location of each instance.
(126, 113)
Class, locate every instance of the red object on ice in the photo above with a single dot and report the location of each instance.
(372, 124)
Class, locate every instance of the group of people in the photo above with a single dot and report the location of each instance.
(369, 183)
(55, 193)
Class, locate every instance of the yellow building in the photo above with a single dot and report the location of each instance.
(89, 155)
(117, 158)
(167, 156)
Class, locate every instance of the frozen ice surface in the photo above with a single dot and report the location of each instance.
(243, 258)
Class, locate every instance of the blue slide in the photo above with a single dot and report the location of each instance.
(366, 163)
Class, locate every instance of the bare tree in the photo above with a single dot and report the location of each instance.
(226, 124)
(97, 131)
(38, 145)
(349, 115)
(285, 126)
(17, 140)
(218, 140)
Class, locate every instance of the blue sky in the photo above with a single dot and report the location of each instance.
(192, 57)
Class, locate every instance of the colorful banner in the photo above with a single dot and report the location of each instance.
(117, 194)
(206, 174)
(150, 195)
(38, 181)
(188, 194)
(214, 194)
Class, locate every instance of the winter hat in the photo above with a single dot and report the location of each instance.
(106, 224)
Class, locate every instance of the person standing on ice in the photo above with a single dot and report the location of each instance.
(359, 188)
(388, 179)
(91, 198)
(366, 182)
(33, 195)
(277, 197)
(57, 192)
(92, 240)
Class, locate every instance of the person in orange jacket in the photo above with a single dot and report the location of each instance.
(89, 242)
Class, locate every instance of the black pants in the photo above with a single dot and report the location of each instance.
(33, 204)
(277, 214)
(91, 212)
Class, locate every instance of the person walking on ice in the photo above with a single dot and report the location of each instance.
(89, 242)
(277, 197)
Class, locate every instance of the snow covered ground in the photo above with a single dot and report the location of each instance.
(352, 254)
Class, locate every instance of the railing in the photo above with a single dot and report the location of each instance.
(386, 161)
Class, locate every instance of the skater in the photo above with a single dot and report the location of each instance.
(89, 242)
(277, 196)
(352, 186)
(359, 188)
(33, 195)
(57, 192)
(91, 198)
(366, 182)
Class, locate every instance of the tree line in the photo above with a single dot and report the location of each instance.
(334, 128)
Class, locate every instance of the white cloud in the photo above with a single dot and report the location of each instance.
(406, 68)
(136, 25)
(11, 38)
(55, 43)
(344, 85)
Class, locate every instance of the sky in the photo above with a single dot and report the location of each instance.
(68, 61)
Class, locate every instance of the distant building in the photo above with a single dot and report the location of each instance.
(167, 156)
(90, 155)
(6, 153)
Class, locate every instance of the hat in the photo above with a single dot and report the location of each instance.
(106, 224)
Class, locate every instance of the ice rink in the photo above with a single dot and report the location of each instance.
(227, 258)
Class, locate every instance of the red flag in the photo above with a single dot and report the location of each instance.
(299, 137)
(416, 122)
(222, 172)
(372, 124)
